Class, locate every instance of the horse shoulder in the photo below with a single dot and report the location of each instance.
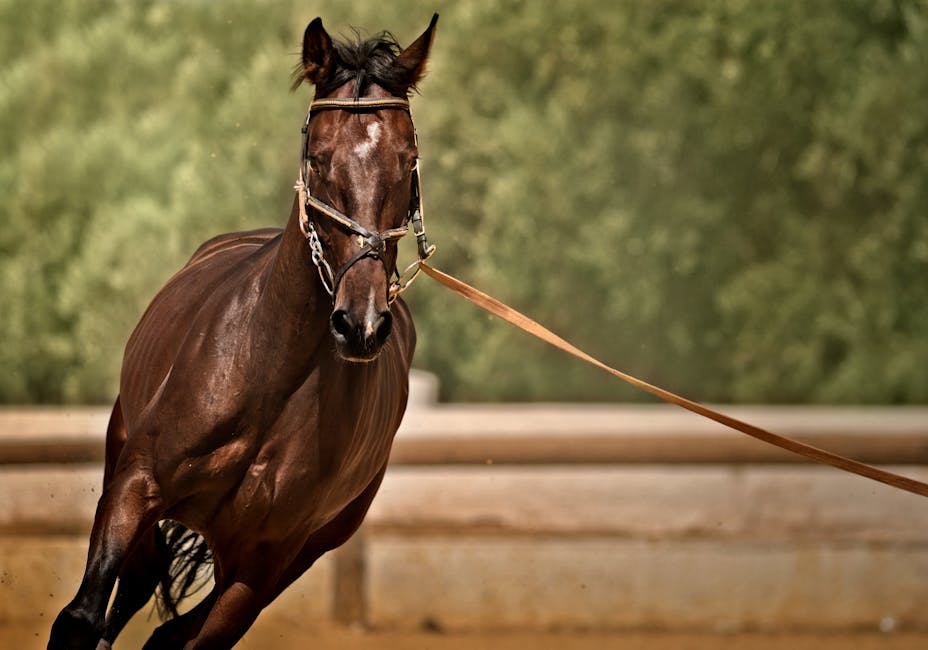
(191, 312)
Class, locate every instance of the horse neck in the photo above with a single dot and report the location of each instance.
(292, 315)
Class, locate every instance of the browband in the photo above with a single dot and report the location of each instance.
(359, 104)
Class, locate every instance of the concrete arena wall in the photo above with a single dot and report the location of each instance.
(553, 517)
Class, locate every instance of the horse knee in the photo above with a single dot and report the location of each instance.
(73, 629)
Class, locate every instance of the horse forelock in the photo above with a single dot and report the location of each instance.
(365, 61)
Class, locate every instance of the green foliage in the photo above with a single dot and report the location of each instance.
(727, 198)
(131, 134)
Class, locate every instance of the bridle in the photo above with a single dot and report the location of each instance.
(372, 244)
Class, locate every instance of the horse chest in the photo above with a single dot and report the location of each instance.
(314, 470)
(312, 462)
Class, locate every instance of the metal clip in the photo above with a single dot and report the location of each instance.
(318, 257)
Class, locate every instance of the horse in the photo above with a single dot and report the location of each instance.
(261, 390)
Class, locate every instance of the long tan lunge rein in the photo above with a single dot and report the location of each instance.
(525, 323)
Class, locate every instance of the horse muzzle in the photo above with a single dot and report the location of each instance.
(360, 338)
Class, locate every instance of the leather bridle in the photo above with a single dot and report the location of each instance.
(371, 243)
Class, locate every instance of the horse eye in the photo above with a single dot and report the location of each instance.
(314, 164)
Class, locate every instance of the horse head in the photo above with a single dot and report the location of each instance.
(360, 175)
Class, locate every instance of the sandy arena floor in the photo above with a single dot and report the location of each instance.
(270, 637)
(347, 640)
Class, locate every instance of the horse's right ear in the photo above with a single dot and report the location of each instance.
(317, 55)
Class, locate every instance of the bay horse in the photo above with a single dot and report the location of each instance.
(261, 390)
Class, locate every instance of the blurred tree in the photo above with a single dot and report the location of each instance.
(132, 133)
(670, 186)
(724, 197)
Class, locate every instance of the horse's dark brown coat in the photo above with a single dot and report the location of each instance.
(239, 415)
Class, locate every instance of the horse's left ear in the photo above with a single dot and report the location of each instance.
(411, 61)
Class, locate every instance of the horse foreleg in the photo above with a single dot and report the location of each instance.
(129, 505)
(146, 566)
(148, 562)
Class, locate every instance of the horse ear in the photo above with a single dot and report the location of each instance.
(411, 61)
(317, 55)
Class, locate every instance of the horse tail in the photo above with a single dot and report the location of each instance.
(188, 571)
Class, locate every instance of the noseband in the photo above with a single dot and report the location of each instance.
(371, 243)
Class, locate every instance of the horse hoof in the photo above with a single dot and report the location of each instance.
(72, 631)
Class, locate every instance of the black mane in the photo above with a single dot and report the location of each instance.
(365, 61)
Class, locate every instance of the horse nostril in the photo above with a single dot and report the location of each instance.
(365, 338)
(341, 323)
(383, 327)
